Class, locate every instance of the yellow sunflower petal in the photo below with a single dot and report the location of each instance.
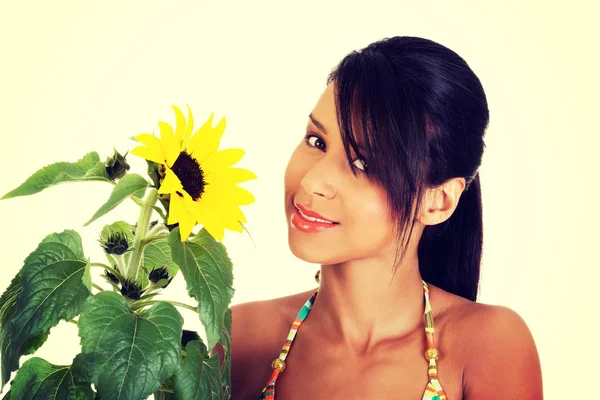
(153, 143)
(185, 228)
(206, 140)
(205, 214)
(221, 203)
(172, 152)
(234, 225)
(170, 144)
(231, 224)
(180, 125)
(199, 138)
(242, 196)
(220, 128)
(188, 129)
(170, 184)
(237, 214)
(166, 130)
(217, 230)
(222, 159)
(233, 212)
(148, 139)
(179, 213)
(229, 176)
(148, 153)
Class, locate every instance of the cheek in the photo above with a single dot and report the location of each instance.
(370, 215)
(294, 171)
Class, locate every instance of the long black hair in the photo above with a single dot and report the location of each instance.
(420, 114)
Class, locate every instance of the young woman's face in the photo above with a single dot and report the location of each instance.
(318, 178)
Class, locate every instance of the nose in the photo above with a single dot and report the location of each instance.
(317, 182)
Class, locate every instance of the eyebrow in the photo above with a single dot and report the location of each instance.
(317, 123)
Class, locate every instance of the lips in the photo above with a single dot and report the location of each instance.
(305, 212)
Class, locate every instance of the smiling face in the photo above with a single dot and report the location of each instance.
(318, 178)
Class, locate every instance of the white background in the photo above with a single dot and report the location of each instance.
(82, 76)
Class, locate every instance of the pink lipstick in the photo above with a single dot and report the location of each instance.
(309, 221)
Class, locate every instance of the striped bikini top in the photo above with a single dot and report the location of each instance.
(433, 390)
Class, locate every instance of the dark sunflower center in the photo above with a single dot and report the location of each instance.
(190, 174)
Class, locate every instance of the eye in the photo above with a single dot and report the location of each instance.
(313, 140)
(360, 164)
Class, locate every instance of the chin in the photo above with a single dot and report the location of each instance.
(311, 252)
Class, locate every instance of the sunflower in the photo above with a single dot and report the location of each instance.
(198, 179)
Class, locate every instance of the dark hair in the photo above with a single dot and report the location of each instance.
(420, 114)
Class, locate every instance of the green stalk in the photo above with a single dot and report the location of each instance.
(98, 287)
(175, 303)
(111, 269)
(157, 229)
(140, 233)
(149, 238)
(120, 263)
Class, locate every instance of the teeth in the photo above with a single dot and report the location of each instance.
(313, 219)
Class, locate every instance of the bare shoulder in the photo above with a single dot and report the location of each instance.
(258, 332)
(500, 355)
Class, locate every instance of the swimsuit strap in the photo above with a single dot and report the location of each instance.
(279, 363)
(433, 390)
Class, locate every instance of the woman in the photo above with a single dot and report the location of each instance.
(383, 192)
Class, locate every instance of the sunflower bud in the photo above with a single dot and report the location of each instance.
(153, 172)
(131, 290)
(160, 277)
(112, 276)
(116, 238)
(188, 336)
(116, 166)
(115, 243)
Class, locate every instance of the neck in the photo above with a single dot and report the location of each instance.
(358, 308)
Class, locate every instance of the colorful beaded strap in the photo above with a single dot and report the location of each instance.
(433, 391)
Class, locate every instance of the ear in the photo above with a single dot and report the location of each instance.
(440, 202)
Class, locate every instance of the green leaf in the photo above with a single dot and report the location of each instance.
(52, 289)
(130, 353)
(129, 185)
(38, 379)
(87, 276)
(69, 238)
(226, 343)
(157, 254)
(199, 378)
(89, 168)
(9, 299)
(169, 384)
(209, 277)
(7, 309)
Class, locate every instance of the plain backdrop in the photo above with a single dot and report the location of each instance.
(83, 76)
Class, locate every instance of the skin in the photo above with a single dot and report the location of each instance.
(364, 337)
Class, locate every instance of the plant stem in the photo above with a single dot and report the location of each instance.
(149, 238)
(97, 287)
(159, 227)
(175, 303)
(73, 322)
(164, 389)
(140, 234)
(111, 269)
(120, 263)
